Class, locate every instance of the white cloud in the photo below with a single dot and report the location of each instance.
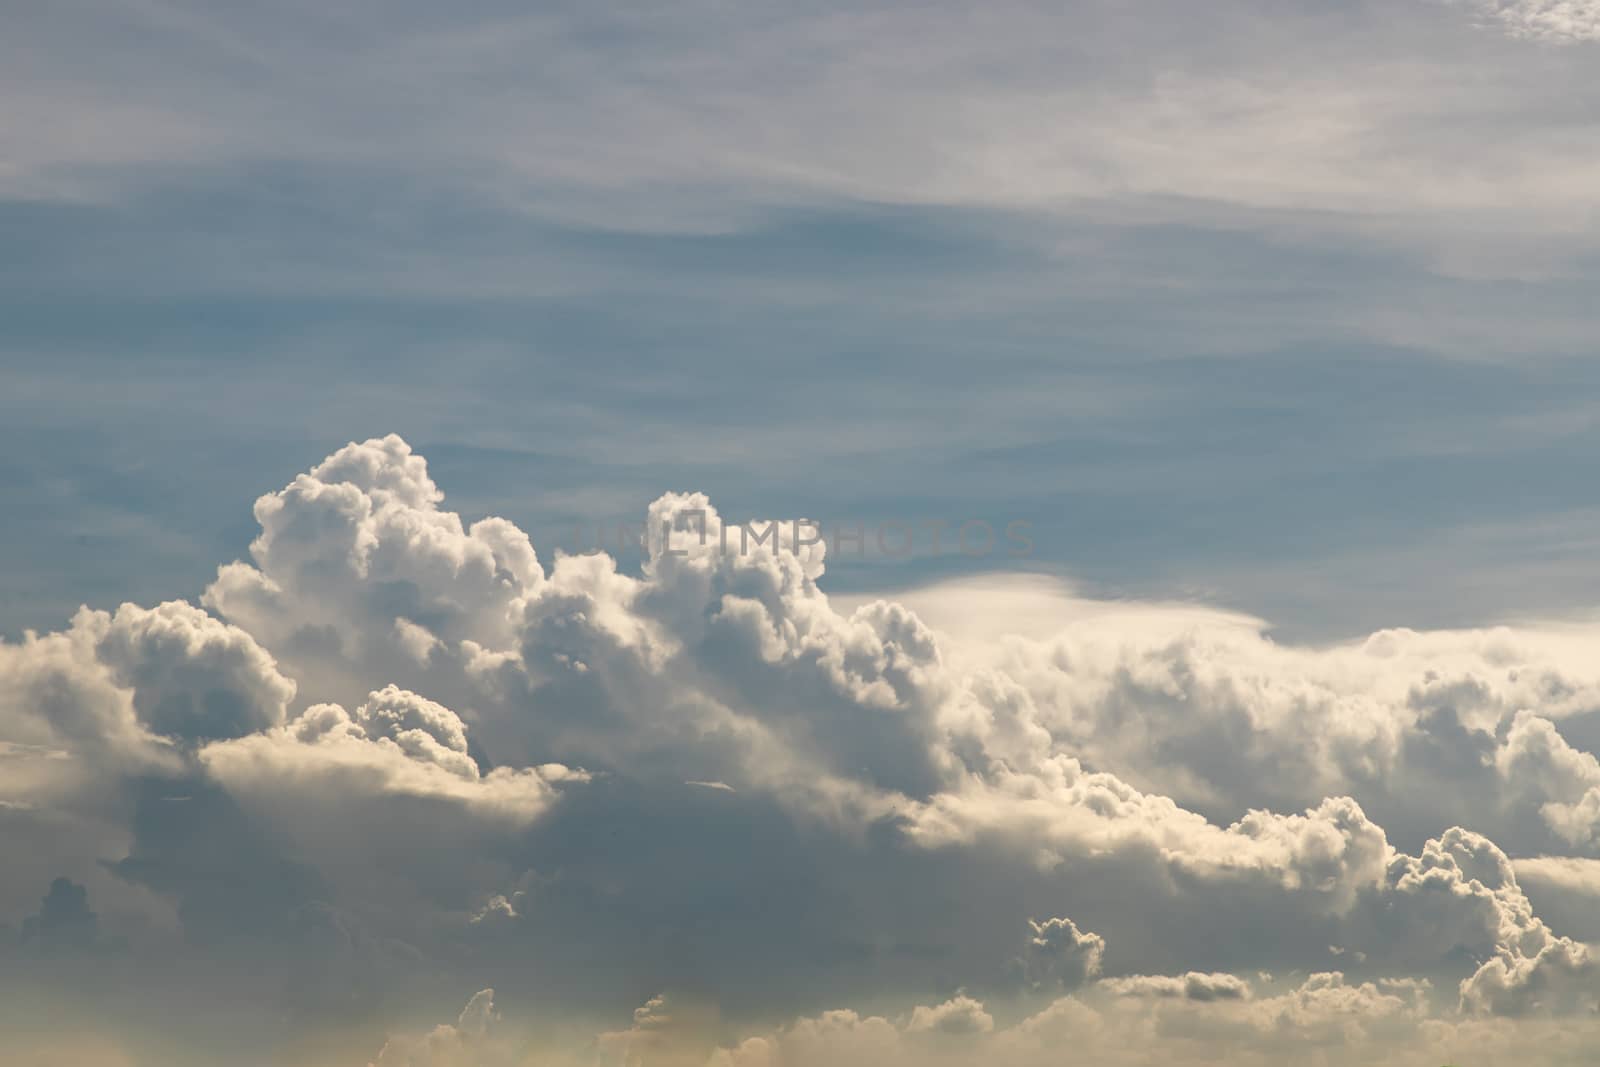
(1324, 1020)
(193, 678)
(959, 1015)
(361, 537)
(1581, 875)
(1564, 781)
(1369, 112)
(1059, 955)
(1191, 986)
(1083, 767)
(1560, 21)
(397, 743)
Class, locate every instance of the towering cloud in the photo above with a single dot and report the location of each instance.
(417, 752)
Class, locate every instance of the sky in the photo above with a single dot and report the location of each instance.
(1169, 433)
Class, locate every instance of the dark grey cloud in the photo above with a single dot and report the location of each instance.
(64, 922)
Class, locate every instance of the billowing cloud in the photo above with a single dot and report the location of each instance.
(362, 758)
(1562, 780)
(959, 1015)
(395, 744)
(1059, 955)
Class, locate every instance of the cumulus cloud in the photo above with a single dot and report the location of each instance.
(396, 743)
(356, 560)
(1564, 781)
(1059, 955)
(132, 688)
(115, 699)
(959, 1015)
(388, 706)
(193, 678)
(1325, 1019)
(1211, 711)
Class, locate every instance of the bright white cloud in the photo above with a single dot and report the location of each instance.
(329, 749)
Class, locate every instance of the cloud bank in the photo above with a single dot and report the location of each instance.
(394, 752)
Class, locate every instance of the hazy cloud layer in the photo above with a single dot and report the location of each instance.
(1287, 305)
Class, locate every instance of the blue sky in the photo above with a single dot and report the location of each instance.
(1323, 327)
(323, 325)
